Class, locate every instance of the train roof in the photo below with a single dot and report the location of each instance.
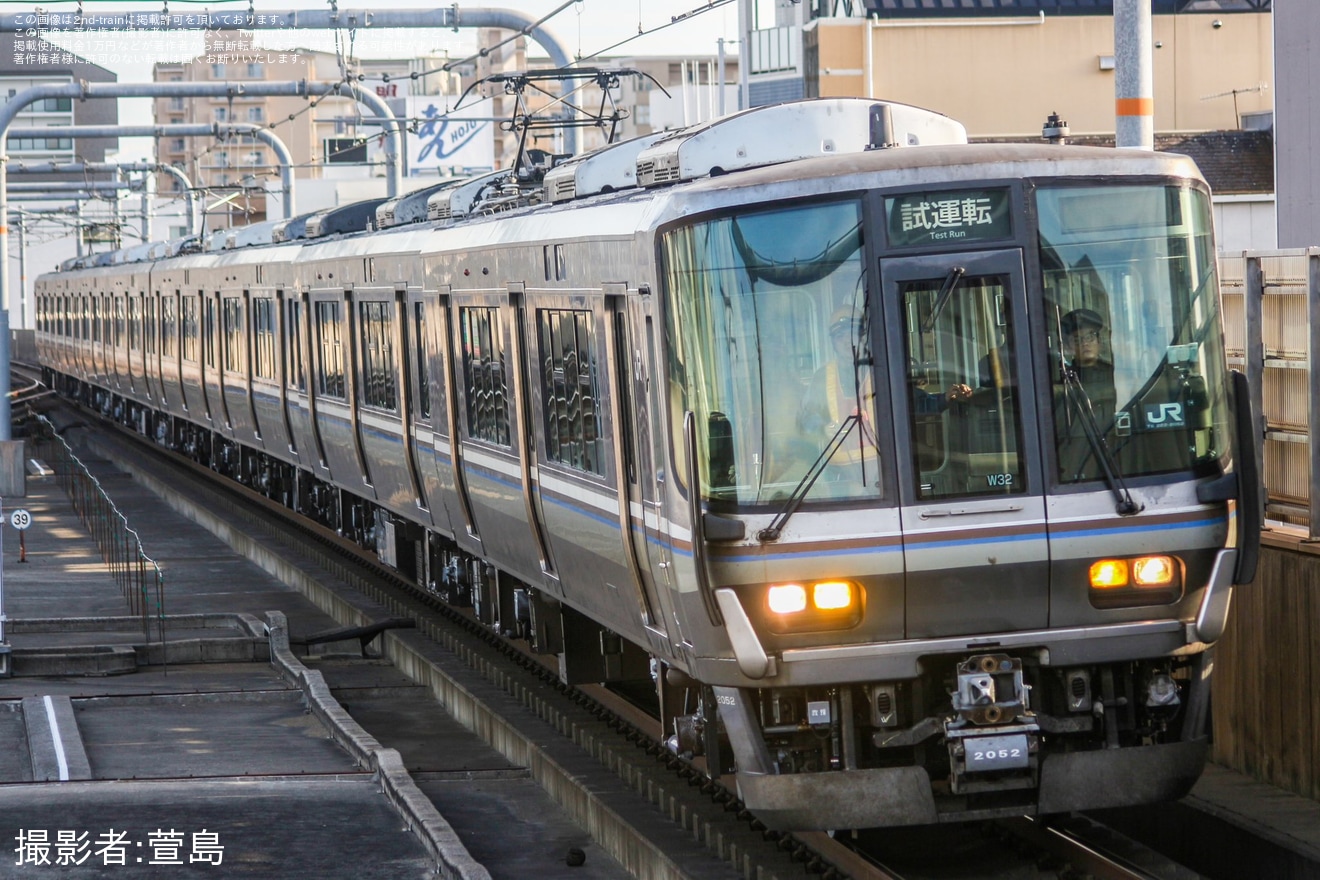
(660, 177)
(965, 162)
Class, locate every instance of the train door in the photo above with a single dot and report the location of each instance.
(222, 317)
(132, 341)
(243, 340)
(416, 309)
(290, 362)
(193, 341)
(969, 467)
(489, 446)
(302, 376)
(526, 369)
(641, 438)
(441, 332)
(118, 359)
(365, 316)
(151, 346)
(333, 389)
(170, 368)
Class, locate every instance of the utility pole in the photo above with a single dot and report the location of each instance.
(22, 271)
(719, 95)
(1134, 81)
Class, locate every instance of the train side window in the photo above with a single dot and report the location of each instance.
(297, 376)
(263, 338)
(231, 317)
(118, 338)
(134, 325)
(168, 326)
(330, 363)
(149, 325)
(376, 343)
(569, 389)
(553, 258)
(484, 375)
(208, 331)
(191, 330)
(420, 360)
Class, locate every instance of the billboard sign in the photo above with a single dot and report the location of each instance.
(457, 143)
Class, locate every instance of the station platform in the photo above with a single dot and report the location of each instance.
(222, 749)
(212, 764)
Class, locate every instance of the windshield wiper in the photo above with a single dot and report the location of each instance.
(950, 284)
(776, 527)
(1081, 401)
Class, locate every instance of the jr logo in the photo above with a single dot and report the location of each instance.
(1164, 415)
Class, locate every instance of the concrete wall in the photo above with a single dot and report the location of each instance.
(1003, 77)
(1297, 113)
(1245, 223)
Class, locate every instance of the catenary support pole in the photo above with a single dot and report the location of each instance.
(1134, 82)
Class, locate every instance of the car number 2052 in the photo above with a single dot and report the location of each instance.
(997, 752)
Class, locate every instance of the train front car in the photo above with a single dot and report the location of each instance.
(958, 423)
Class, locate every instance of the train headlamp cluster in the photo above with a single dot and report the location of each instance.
(799, 607)
(1142, 580)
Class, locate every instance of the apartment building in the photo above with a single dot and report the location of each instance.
(1002, 66)
(332, 138)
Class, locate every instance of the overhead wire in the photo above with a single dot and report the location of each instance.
(447, 67)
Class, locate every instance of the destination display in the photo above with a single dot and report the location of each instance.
(949, 217)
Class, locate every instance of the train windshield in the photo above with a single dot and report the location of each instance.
(769, 348)
(1136, 358)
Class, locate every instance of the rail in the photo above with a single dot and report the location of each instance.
(1271, 305)
(138, 575)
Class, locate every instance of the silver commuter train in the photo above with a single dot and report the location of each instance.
(920, 464)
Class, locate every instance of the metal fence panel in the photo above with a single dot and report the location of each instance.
(1270, 302)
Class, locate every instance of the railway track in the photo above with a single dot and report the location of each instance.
(614, 732)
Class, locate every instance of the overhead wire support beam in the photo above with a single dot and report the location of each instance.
(219, 130)
(450, 17)
(185, 185)
(83, 90)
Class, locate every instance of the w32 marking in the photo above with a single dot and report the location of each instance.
(1164, 415)
(999, 480)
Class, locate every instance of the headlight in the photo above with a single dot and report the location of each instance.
(832, 604)
(788, 598)
(1153, 571)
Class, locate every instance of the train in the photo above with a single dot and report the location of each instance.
(903, 475)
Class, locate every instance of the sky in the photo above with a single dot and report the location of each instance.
(583, 27)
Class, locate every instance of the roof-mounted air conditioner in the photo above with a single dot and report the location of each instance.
(794, 130)
(457, 200)
(608, 169)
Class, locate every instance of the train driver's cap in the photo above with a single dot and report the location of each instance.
(1079, 319)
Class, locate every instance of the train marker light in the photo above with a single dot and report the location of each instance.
(1153, 571)
(832, 595)
(1109, 573)
(788, 598)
